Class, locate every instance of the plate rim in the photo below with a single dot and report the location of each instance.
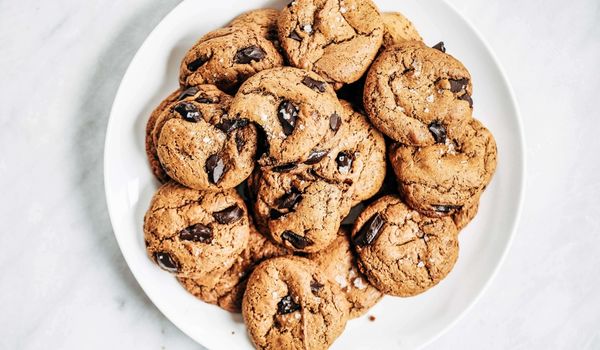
(513, 229)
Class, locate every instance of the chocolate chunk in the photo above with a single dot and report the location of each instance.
(440, 46)
(285, 167)
(314, 84)
(249, 54)
(295, 36)
(446, 209)
(315, 286)
(287, 114)
(315, 156)
(197, 63)
(215, 168)
(297, 241)
(467, 97)
(289, 200)
(275, 214)
(438, 131)
(191, 91)
(166, 262)
(239, 142)
(197, 233)
(229, 215)
(228, 125)
(207, 99)
(458, 85)
(370, 230)
(335, 121)
(287, 305)
(188, 111)
(344, 162)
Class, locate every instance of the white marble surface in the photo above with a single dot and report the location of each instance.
(65, 285)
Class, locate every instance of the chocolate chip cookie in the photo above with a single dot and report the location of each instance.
(336, 39)
(155, 165)
(338, 263)
(230, 286)
(262, 21)
(200, 145)
(228, 56)
(193, 233)
(416, 95)
(398, 29)
(290, 304)
(440, 179)
(299, 211)
(401, 251)
(295, 109)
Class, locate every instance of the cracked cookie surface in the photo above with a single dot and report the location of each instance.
(336, 39)
(295, 109)
(398, 29)
(403, 253)
(290, 304)
(440, 179)
(414, 93)
(200, 145)
(299, 211)
(195, 233)
(226, 57)
(338, 263)
(262, 21)
(229, 288)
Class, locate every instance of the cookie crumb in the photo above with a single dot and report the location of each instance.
(371, 318)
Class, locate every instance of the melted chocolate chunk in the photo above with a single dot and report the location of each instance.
(287, 305)
(275, 214)
(191, 91)
(285, 167)
(315, 156)
(228, 125)
(458, 85)
(314, 84)
(166, 262)
(446, 209)
(344, 162)
(188, 111)
(438, 131)
(334, 122)
(369, 231)
(249, 54)
(207, 99)
(197, 233)
(440, 46)
(197, 63)
(215, 168)
(229, 215)
(289, 200)
(467, 97)
(287, 114)
(295, 240)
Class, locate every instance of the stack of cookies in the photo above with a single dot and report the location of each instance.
(283, 123)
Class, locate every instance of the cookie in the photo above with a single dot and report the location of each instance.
(299, 211)
(295, 109)
(226, 57)
(338, 263)
(415, 94)
(200, 145)
(398, 29)
(155, 165)
(193, 233)
(290, 304)
(230, 286)
(440, 179)
(403, 253)
(336, 39)
(262, 21)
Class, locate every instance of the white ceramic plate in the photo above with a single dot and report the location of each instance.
(400, 323)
